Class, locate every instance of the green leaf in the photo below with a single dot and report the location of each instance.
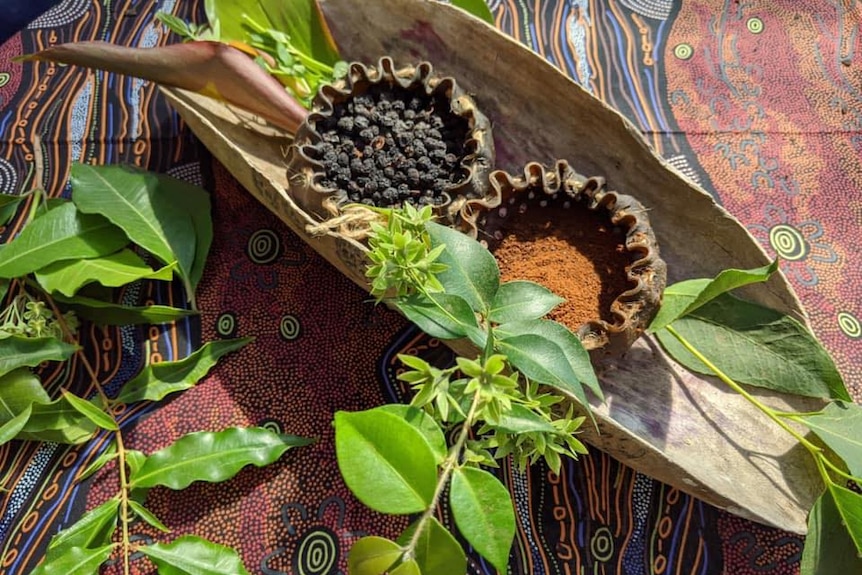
(20, 351)
(158, 380)
(839, 426)
(438, 552)
(91, 412)
(144, 206)
(114, 270)
(684, 297)
(569, 343)
(93, 529)
(192, 555)
(212, 456)
(828, 550)
(483, 512)
(104, 458)
(423, 423)
(301, 20)
(440, 315)
(519, 419)
(62, 233)
(57, 421)
(385, 461)
(8, 207)
(543, 361)
(757, 346)
(477, 8)
(10, 428)
(407, 568)
(108, 313)
(521, 301)
(4, 289)
(194, 201)
(471, 272)
(75, 561)
(372, 556)
(148, 516)
(849, 505)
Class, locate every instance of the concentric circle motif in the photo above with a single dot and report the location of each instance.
(602, 544)
(4, 78)
(317, 553)
(683, 51)
(754, 25)
(272, 425)
(289, 327)
(788, 242)
(850, 325)
(226, 324)
(264, 247)
(8, 178)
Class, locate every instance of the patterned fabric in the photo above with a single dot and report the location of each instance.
(757, 101)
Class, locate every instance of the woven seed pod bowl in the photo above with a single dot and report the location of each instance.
(385, 136)
(593, 246)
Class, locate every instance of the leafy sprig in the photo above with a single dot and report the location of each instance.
(449, 285)
(63, 250)
(704, 328)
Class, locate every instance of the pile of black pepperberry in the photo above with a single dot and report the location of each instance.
(390, 145)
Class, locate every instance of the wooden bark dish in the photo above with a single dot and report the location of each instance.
(557, 192)
(681, 428)
(474, 152)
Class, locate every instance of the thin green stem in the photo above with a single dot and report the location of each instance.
(448, 467)
(118, 436)
(841, 472)
(768, 411)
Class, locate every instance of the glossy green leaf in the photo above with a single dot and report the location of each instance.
(8, 207)
(194, 201)
(62, 233)
(849, 505)
(144, 206)
(757, 346)
(407, 568)
(372, 556)
(57, 421)
(440, 315)
(93, 529)
(148, 516)
(4, 289)
(75, 561)
(192, 555)
(19, 389)
(828, 550)
(385, 461)
(471, 272)
(438, 552)
(684, 297)
(477, 8)
(299, 19)
(108, 455)
(212, 456)
(543, 361)
(114, 270)
(11, 427)
(519, 419)
(109, 313)
(155, 381)
(91, 412)
(568, 342)
(522, 301)
(839, 426)
(423, 423)
(483, 512)
(19, 351)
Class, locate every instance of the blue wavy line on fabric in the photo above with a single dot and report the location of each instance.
(4, 123)
(658, 109)
(577, 34)
(624, 69)
(678, 527)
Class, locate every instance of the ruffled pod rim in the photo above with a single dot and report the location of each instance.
(305, 172)
(632, 309)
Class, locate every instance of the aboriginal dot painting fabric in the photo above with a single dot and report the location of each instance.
(759, 101)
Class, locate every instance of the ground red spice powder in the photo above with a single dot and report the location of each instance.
(575, 252)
